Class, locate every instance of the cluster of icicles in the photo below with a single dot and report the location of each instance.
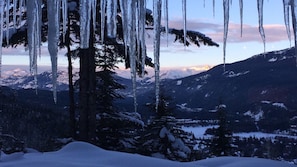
(133, 14)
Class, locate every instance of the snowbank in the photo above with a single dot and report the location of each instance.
(80, 154)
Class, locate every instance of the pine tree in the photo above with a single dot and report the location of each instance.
(116, 129)
(163, 137)
(222, 138)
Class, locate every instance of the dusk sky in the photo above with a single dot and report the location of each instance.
(200, 18)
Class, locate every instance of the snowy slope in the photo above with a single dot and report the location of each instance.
(79, 154)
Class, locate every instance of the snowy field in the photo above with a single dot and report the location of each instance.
(80, 154)
(200, 131)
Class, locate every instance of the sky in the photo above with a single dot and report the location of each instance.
(200, 17)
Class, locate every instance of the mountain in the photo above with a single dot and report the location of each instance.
(259, 93)
(21, 79)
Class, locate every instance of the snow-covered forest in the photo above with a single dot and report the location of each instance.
(102, 33)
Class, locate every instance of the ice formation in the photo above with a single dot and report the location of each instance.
(241, 15)
(157, 31)
(261, 28)
(184, 10)
(286, 4)
(34, 16)
(166, 19)
(226, 6)
(1, 32)
(53, 39)
(111, 13)
(85, 21)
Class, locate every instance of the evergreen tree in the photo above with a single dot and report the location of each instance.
(222, 137)
(116, 129)
(163, 137)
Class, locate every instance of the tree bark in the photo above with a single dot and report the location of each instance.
(87, 95)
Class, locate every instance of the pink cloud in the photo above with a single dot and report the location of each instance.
(273, 32)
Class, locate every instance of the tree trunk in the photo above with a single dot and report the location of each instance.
(87, 95)
(71, 109)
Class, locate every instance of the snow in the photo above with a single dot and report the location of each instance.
(281, 105)
(274, 59)
(80, 154)
(231, 74)
(257, 116)
(179, 82)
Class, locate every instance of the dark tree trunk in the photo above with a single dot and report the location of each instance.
(87, 84)
(71, 96)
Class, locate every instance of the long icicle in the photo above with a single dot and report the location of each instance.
(53, 37)
(7, 21)
(124, 13)
(241, 16)
(111, 18)
(286, 4)
(102, 24)
(213, 7)
(33, 19)
(166, 19)
(226, 6)
(1, 32)
(294, 20)
(260, 16)
(132, 50)
(14, 11)
(142, 35)
(85, 19)
(157, 31)
(94, 13)
(184, 10)
(64, 17)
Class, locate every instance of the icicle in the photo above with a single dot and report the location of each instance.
(294, 20)
(184, 4)
(1, 32)
(85, 20)
(14, 9)
(157, 31)
(142, 19)
(166, 19)
(21, 7)
(140, 34)
(34, 27)
(7, 20)
(204, 3)
(64, 17)
(111, 18)
(53, 38)
(213, 7)
(286, 4)
(94, 13)
(123, 6)
(260, 15)
(103, 8)
(132, 41)
(241, 15)
(226, 5)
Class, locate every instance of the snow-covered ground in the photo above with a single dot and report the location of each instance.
(200, 131)
(80, 154)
